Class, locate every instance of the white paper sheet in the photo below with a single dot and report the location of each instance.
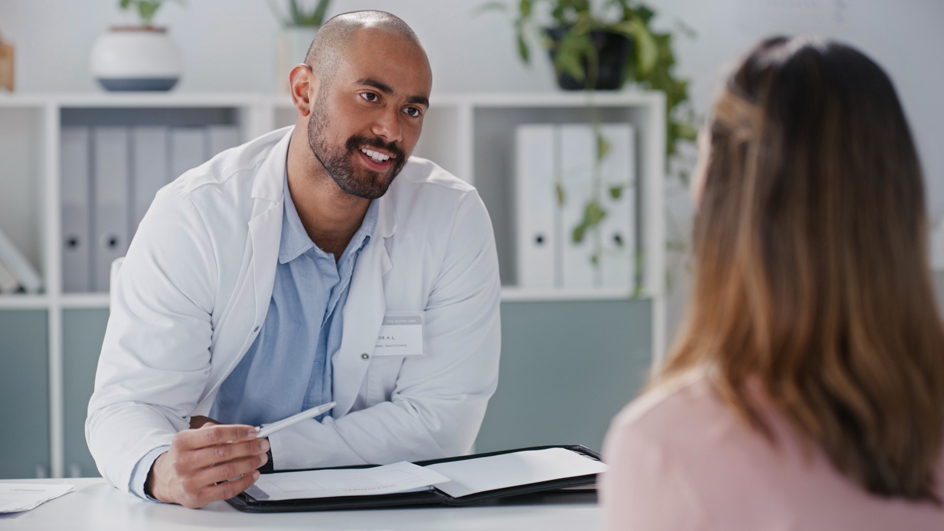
(398, 477)
(18, 497)
(520, 468)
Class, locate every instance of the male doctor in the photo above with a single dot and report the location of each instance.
(272, 278)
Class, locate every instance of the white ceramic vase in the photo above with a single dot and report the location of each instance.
(293, 47)
(135, 58)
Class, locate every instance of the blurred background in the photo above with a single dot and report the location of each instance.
(573, 352)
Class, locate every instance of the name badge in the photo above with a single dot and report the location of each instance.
(400, 335)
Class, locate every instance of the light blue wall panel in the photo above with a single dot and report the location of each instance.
(566, 369)
(82, 333)
(24, 394)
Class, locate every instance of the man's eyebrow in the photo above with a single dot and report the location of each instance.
(386, 89)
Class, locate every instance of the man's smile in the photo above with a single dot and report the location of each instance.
(376, 160)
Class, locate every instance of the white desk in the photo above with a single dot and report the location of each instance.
(96, 506)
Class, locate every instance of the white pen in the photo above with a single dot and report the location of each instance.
(294, 419)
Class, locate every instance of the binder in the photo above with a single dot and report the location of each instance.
(149, 147)
(187, 149)
(75, 165)
(110, 219)
(220, 138)
(536, 204)
(618, 198)
(17, 264)
(577, 159)
(430, 497)
(8, 283)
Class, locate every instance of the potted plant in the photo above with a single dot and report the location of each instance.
(299, 26)
(600, 46)
(136, 57)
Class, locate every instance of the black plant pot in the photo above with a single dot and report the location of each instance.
(612, 50)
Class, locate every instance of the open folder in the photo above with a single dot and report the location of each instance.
(453, 481)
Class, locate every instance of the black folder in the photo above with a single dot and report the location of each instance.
(430, 497)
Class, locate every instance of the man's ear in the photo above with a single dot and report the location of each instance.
(304, 86)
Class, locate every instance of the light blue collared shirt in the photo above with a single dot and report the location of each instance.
(288, 367)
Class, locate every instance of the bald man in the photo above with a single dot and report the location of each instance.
(316, 263)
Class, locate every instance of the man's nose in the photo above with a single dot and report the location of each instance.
(388, 125)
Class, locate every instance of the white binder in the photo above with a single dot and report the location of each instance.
(536, 199)
(618, 228)
(76, 224)
(187, 149)
(577, 155)
(149, 153)
(111, 198)
(17, 264)
(8, 283)
(220, 138)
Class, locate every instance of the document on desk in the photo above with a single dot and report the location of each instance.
(19, 497)
(495, 472)
(388, 479)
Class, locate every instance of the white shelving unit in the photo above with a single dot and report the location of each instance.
(471, 135)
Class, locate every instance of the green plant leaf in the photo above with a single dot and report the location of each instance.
(595, 259)
(616, 191)
(147, 10)
(319, 14)
(124, 4)
(593, 214)
(524, 8)
(603, 147)
(647, 50)
(560, 194)
(523, 49)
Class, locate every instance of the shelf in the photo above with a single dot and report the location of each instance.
(85, 300)
(23, 302)
(516, 294)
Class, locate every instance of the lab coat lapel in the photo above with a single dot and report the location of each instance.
(363, 312)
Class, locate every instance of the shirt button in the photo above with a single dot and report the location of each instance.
(365, 356)
(254, 330)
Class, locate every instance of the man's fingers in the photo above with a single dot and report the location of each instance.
(220, 453)
(229, 470)
(228, 489)
(212, 435)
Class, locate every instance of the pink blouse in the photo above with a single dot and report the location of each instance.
(679, 460)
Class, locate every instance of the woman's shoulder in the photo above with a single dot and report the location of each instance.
(673, 410)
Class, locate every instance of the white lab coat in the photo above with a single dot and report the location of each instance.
(195, 286)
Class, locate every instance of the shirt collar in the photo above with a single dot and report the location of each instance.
(295, 240)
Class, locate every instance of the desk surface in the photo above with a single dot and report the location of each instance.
(94, 505)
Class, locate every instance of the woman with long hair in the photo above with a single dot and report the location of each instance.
(806, 388)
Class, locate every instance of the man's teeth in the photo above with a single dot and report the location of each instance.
(377, 157)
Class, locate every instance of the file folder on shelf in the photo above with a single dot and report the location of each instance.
(187, 149)
(149, 151)
(220, 138)
(431, 496)
(618, 199)
(536, 181)
(76, 225)
(111, 218)
(577, 159)
(17, 264)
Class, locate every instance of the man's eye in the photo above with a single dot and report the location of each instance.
(413, 112)
(369, 96)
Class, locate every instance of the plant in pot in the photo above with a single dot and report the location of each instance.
(601, 47)
(136, 57)
(299, 25)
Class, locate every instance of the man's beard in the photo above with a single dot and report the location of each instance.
(368, 184)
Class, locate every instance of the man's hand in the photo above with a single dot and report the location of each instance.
(194, 472)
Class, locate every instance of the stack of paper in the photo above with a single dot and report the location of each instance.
(18, 497)
(456, 478)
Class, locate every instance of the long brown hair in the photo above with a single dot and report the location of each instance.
(811, 265)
